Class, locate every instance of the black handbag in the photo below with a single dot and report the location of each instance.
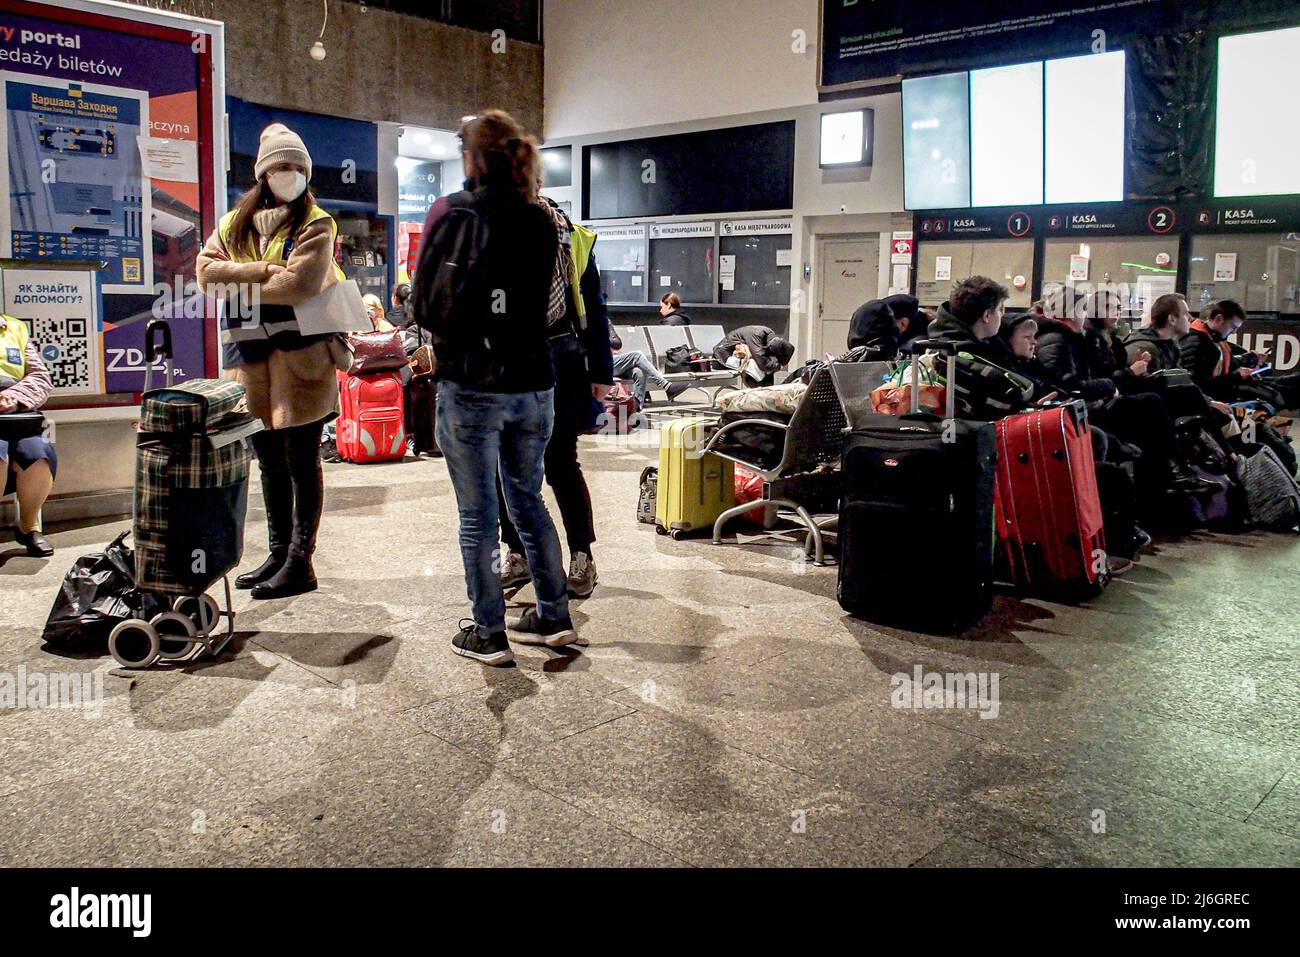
(21, 425)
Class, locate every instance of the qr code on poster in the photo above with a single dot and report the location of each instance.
(64, 345)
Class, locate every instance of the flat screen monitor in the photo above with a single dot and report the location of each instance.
(1257, 138)
(1084, 109)
(936, 141)
(1006, 135)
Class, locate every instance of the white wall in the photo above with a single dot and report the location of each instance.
(620, 64)
(623, 69)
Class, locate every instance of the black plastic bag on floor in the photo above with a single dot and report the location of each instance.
(97, 593)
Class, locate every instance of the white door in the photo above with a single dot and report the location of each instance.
(848, 277)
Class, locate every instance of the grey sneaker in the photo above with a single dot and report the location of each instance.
(582, 575)
(515, 573)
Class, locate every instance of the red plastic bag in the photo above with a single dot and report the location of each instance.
(749, 488)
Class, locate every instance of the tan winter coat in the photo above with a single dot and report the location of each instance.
(291, 387)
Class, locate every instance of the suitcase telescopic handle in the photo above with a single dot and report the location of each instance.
(950, 380)
(153, 351)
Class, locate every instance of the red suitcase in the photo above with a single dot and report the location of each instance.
(1048, 511)
(371, 425)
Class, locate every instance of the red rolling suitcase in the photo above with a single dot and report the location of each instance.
(371, 425)
(1049, 517)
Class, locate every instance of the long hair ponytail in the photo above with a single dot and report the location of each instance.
(504, 155)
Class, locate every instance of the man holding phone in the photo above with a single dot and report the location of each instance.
(1226, 371)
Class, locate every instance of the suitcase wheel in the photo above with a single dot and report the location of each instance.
(176, 635)
(202, 610)
(678, 534)
(134, 643)
(660, 529)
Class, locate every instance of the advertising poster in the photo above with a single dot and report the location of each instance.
(76, 185)
(61, 309)
(123, 111)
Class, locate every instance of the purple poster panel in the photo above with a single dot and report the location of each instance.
(164, 74)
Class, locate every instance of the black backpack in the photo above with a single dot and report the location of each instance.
(446, 277)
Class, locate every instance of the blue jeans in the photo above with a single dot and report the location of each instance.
(479, 433)
(635, 366)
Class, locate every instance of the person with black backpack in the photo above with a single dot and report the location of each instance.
(483, 289)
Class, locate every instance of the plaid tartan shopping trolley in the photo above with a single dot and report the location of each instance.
(191, 492)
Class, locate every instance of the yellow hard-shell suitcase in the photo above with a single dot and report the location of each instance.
(694, 489)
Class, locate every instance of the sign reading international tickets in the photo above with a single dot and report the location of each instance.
(61, 308)
(77, 189)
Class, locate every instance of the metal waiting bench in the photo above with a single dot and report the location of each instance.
(808, 472)
(663, 338)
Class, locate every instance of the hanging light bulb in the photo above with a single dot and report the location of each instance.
(317, 50)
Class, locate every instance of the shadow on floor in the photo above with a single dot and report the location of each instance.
(27, 565)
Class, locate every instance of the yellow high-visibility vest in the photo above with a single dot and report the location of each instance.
(13, 347)
(275, 250)
(581, 240)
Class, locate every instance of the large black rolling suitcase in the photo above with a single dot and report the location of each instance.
(916, 516)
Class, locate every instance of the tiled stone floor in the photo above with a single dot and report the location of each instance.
(723, 711)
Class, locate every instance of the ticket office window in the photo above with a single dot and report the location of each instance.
(1000, 259)
(1265, 275)
(1138, 267)
(684, 266)
(759, 281)
(622, 269)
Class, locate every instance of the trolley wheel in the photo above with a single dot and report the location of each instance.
(203, 610)
(678, 534)
(176, 635)
(134, 643)
(660, 529)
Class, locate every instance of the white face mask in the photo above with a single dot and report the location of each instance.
(287, 184)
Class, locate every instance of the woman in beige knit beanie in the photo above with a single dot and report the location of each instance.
(273, 251)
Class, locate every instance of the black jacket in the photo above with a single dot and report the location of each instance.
(873, 324)
(1071, 362)
(511, 293)
(759, 339)
(677, 318)
(985, 390)
(401, 316)
(1163, 353)
(582, 358)
(1202, 354)
(949, 328)
(1109, 360)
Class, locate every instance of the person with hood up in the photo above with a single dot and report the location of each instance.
(875, 327)
(768, 351)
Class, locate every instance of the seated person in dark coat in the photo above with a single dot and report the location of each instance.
(757, 352)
